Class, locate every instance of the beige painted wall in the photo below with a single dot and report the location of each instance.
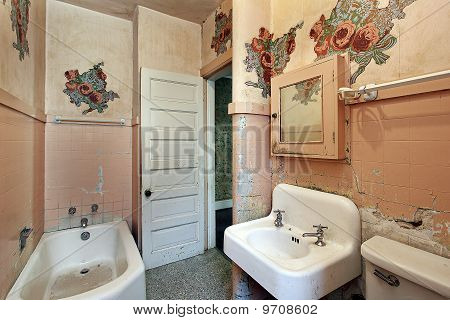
(167, 43)
(208, 31)
(25, 79)
(78, 38)
(164, 43)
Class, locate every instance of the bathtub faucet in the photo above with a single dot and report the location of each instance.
(84, 222)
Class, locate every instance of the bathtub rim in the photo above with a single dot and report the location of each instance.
(134, 271)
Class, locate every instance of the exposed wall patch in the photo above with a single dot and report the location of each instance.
(101, 180)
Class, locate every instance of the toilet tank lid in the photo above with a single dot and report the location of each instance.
(418, 266)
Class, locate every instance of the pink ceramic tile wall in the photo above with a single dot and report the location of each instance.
(21, 190)
(87, 165)
(403, 145)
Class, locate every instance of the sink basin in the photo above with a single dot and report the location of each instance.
(277, 244)
(288, 265)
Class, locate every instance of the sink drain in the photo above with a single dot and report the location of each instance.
(84, 271)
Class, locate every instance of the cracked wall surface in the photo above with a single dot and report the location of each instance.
(398, 172)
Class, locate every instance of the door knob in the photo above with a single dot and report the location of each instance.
(148, 193)
(274, 115)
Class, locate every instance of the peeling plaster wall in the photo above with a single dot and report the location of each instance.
(399, 173)
(87, 164)
(399, 170)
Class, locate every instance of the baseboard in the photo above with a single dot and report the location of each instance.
(224, 204)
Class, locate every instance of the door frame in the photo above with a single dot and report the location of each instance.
(211, 156)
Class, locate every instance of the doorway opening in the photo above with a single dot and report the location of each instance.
(219, 156)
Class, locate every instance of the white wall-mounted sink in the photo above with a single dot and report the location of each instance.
(288, 265)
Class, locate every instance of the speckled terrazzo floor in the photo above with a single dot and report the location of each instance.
(204, 277)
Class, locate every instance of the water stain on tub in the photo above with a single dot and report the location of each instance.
(81, 280)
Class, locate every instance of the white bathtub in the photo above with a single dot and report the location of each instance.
(106, 266)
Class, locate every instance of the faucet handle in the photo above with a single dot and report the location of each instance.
(320, 227)
(279, 211)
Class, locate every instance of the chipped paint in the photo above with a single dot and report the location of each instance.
(101, 181)
(242, 122)
(420, 236)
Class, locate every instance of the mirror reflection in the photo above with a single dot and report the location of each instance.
(301, 112)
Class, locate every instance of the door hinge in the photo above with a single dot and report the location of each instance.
(334, 137)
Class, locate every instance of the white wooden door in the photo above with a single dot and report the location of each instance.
(172, 167)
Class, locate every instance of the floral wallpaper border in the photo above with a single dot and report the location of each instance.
(269, 57)
(223, 32)
(360, 28)
(89, 88)
(20, 18)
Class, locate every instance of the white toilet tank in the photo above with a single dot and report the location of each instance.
(395, 271)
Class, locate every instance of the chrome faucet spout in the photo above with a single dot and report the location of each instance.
(319, 234)
(316, 234)
(84, 222)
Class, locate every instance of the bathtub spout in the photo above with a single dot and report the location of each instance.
(84, 222)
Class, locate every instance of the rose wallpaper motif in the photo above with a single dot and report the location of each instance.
(20, 17)
(306, 90)
(223, 32)
(269, 57)
(89, 88)
(360, 28)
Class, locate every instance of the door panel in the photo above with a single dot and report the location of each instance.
(173, 215)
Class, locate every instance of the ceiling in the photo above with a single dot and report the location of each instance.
(191, 10)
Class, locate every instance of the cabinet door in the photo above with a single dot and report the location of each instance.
(307, 117)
